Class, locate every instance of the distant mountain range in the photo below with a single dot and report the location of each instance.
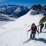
(15, 11)
(39, 9)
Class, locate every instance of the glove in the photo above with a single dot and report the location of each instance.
(28, 30)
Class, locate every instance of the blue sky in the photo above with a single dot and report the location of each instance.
(22, 2)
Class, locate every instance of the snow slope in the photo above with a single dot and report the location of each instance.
(3, 23)
(4, 17)
(15, 33)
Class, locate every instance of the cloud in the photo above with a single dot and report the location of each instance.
(2, 0)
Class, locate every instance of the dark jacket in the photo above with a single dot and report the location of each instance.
(34, 29)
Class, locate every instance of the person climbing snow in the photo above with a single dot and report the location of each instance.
(41, 27)
(33, 31)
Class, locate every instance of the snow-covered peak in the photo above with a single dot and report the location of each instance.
(31, 11)
(2, 9)
(17, 10)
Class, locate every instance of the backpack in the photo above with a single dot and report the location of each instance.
(42, 25)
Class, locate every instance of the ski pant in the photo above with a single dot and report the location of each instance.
(41, 29)
(32, 35)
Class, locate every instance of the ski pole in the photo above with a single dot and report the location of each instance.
(38, 38)
(38, 33)
(27, 34)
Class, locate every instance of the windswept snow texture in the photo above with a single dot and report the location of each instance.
(15, 33)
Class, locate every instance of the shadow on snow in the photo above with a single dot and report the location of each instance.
(43, 32)
(40, 39)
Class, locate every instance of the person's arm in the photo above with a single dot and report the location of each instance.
(39, 25)
(30, 29)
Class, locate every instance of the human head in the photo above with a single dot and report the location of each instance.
(33, 25)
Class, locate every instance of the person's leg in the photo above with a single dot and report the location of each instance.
(34, 35)
(31, 36)
(40, 29)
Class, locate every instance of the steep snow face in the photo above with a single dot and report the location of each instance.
(15, 33)
(27, 19)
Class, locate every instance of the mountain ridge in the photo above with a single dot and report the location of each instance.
(16, 11)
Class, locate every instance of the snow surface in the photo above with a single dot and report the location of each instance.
(4, 22)
(15, 33)
(4, 17)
